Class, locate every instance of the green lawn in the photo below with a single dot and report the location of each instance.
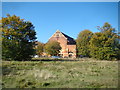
(60, 74)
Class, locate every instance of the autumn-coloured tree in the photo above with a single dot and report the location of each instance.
(18, 38)
(53, 48)
(104, 44)
(83, 42)
(39, 48)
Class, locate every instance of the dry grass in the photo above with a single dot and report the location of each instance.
(60, 74)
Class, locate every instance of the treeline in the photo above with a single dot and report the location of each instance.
(19, 41)
(104, 45)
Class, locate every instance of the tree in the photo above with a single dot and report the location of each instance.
(39, 48)
(18, 38)
(53, 48)
(105, 44)
(83, 42)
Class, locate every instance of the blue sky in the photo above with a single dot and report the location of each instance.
(69, 17)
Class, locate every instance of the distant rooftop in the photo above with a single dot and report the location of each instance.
(70, 39)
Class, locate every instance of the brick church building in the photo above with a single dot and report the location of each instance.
(67, 44)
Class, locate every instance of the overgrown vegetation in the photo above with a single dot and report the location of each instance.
(85, 73)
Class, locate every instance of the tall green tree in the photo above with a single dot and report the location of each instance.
(83, 42)
(18, 38)
(39, 48)
(53, 48)
(105, 44)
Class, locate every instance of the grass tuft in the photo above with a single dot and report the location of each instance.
(60, 74)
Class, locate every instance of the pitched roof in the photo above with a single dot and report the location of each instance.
(70, 39)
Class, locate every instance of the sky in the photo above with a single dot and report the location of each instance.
(68, 17)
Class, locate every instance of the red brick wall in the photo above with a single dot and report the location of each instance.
(65, 48)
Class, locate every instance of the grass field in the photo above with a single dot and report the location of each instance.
(60, 74)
